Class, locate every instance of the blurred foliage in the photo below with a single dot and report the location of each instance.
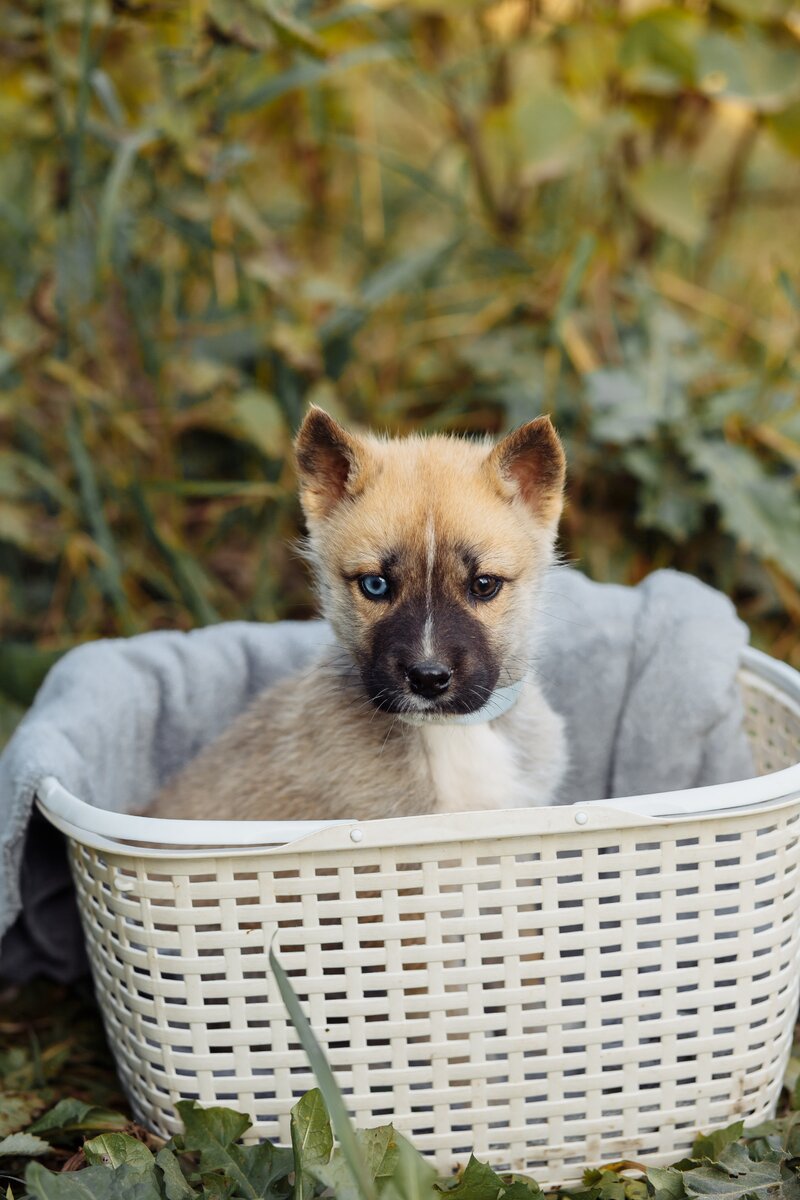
(435, 214)
(51, 1045)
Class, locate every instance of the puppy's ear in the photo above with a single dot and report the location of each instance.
(329, 460)
(530, 464)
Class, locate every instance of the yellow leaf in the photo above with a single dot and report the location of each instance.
(670, 197)
(260, 420)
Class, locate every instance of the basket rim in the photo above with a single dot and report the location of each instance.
(105, 830)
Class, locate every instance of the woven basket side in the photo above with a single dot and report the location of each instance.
(550, 1001)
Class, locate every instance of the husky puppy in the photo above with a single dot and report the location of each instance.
(428, 554)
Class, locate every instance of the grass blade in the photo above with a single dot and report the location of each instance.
(340, 1118)
(110, 570)
(186, 571)
(117, 179)
(306, 75)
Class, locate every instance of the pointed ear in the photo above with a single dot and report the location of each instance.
(328, 462)
(531, 464)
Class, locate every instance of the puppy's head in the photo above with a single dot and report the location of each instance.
(428, 552)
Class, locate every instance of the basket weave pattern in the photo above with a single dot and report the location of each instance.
(550, 1000)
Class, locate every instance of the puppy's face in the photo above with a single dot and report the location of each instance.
(427, 553)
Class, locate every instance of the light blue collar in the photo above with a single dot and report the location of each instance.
(500, 701)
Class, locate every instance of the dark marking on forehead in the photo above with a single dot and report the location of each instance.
(403, 565)
(407, 567)
(411, 554)
(469, 556)
(389, 561)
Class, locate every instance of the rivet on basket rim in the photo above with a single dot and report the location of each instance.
(581, 817)
(356, 835)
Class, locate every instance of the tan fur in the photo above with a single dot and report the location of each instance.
(315, 746)
(312, 748)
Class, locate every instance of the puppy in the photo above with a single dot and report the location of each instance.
(428, 554)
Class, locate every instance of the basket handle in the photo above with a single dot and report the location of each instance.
(57, 802)
(775, 788)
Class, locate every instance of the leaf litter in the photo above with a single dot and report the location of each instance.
(86, 1145)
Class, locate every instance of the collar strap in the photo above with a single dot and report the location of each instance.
(500, 701)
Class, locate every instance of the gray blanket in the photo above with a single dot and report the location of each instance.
(645, 678)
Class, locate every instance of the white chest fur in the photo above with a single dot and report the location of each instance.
(474, 768)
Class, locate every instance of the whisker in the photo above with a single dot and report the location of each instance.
(487, 703)
(388, 733)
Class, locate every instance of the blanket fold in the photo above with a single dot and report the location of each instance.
(645, 677)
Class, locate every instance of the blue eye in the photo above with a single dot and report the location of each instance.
(374, 587)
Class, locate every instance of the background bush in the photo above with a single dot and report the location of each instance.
(422, 215)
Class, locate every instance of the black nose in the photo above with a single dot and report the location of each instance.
(429, 678)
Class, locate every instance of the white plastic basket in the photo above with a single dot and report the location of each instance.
(552, 988)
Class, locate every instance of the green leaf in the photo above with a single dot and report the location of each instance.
(25, 1145)
(548, 128)
(337, 1178)
(266, 1167)
(779, 1135)
(744, 1178)
(790, 1183)
(64, 1116)
(322, 1072)
(216, 1187)
(478, 1182)
(669, 195)
(633, 402)
(750, 68)
(523, 1189)
(657, 52)
(413, 1178)
(380, 1149)
(17, 1108)
(711, 1145)
(611, 1186)
(23, 668)
(312, 1140)
(623, 410)
(669, 500)
(207, 1128)
(762, 511)
(667, 1182)
(94, 1183)
(213, 1133)
(114, 1149)
(72, 1116)
(260, 420)
(785, 128)
(176, 1186)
